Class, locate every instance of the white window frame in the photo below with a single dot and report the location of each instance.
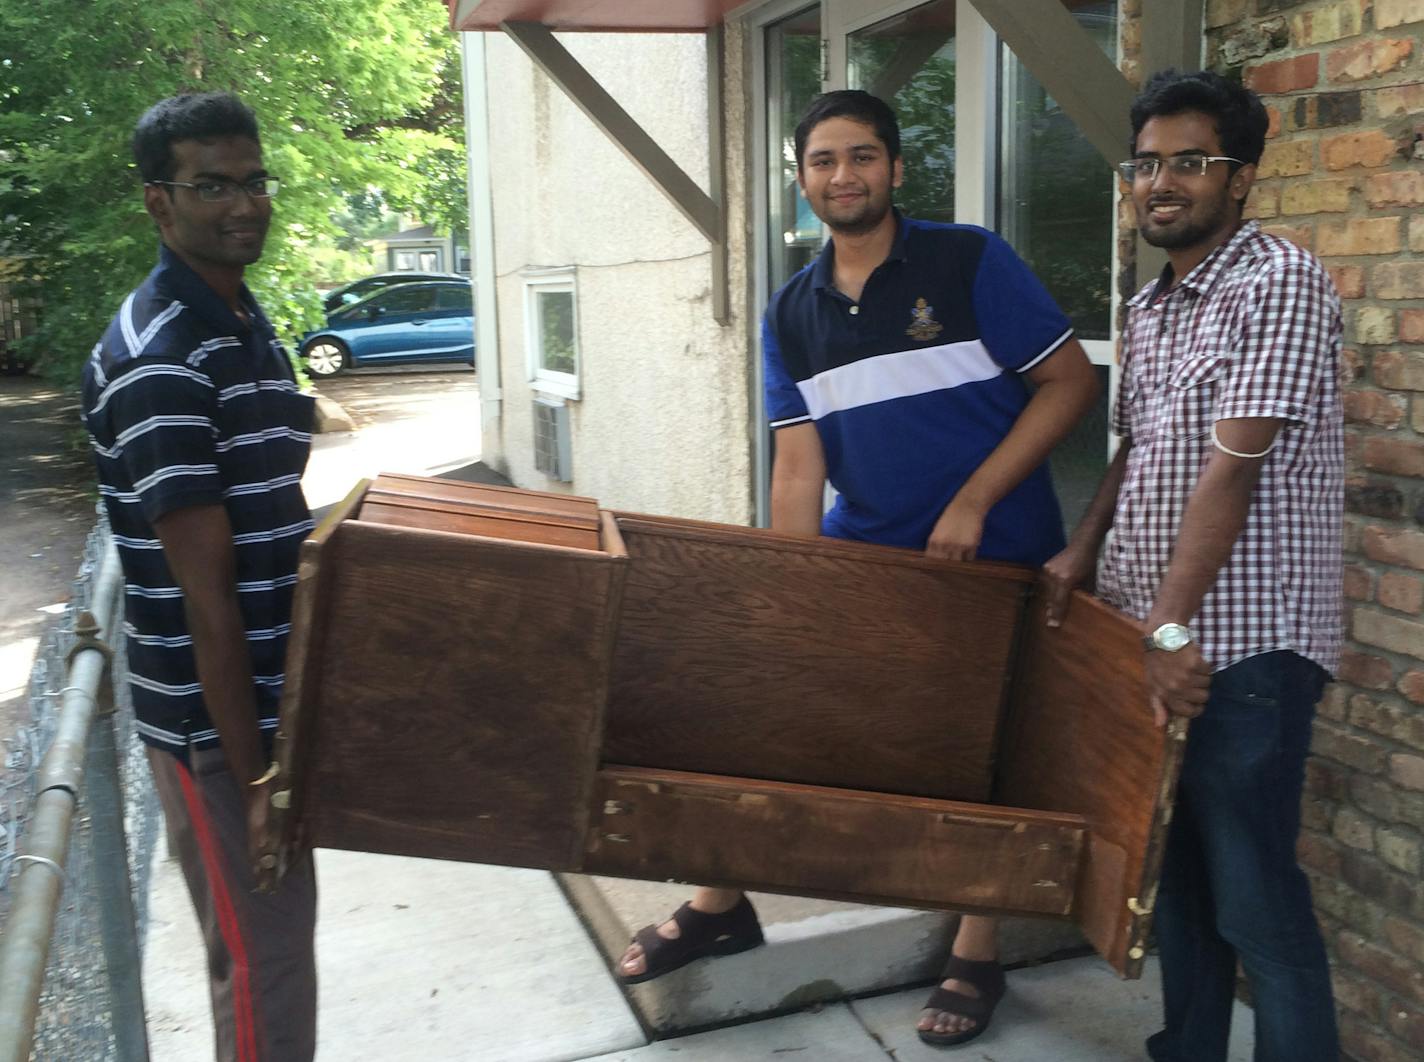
(546, 381)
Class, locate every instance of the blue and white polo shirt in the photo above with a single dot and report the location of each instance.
(914, 386)
(185, 405)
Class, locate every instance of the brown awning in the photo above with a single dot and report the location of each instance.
(645, 16)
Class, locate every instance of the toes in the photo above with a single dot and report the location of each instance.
(632, 960)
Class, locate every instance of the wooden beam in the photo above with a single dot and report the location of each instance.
(1171, 35)
(716, 175)
(1085, 82)
(605, 112)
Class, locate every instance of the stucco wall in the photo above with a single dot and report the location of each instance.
(662, 423)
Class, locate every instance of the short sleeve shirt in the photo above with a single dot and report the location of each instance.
(1252, 332)
(912, 387)
(186, 405)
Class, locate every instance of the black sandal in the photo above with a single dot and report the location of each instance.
(987, 977)
(701, 936)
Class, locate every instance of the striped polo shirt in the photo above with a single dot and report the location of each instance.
(912, 387)
(185, 405)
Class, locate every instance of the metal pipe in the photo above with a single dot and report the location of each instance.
(24, 946)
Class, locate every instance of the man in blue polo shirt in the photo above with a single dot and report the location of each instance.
(896, 367)
(200, 436)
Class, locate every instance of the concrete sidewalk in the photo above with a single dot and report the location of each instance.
(429, 960)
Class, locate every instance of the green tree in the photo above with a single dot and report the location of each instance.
(352, 96)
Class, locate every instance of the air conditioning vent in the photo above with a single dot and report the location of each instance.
(553, 447)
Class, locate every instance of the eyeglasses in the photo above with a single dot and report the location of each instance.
(1178, 165)
(223, 191)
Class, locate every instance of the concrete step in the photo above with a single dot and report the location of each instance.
(816, 951)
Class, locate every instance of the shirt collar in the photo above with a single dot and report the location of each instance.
(823, 271)
(1207, 272)
(178, 279)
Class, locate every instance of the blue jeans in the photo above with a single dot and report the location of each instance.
(1231, 887)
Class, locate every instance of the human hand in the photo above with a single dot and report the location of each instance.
(957, 532)
(1064, 573)
(1177, 683)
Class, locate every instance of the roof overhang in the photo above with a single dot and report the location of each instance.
(627, 16)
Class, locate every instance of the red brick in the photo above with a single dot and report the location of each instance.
(1407, 770)
(1399, 100)
(1411, 330)
(1394, 633)
(1404, 938)
(1265, 202)
(1373, 497)
(1390, 13)
(1302, 236)
(1352, 363)
(1225, 12)
(1407, 1024)
(1329, 23)
(1412, 686)
(1397, 280)
(1366, 670)
(1416, 233)
(1349, 281)
(1370, 58)
(1378, 408)
(1338, 745)
(1371, 149)
(1353, 829)
(1404, 548)
(1401, 370)
(1290, 158)
(1365, 1043)
(1360, 236)
(1396, 188)
(1273, 122)
(1359, 586)
(1389, 970)
(1401, 592)
(1356, 994)
(1284, 75)
(1332, 706)
(1399, 457)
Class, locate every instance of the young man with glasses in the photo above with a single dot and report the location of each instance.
(200, 436)
(1225, 501)
(896, 367)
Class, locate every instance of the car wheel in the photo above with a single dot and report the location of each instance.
(326, 357)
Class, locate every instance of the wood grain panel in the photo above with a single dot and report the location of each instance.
(1081, 739)
(816, 841)
(462, 694)
(749, 654)
(488, 494)
(395, 511)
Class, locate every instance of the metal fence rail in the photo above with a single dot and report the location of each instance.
(72, 789)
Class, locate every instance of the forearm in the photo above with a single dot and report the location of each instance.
(225, 671)
(796, 503)
(1050, 415)
(1214, 516)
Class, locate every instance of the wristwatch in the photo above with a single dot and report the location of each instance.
(1169, 637)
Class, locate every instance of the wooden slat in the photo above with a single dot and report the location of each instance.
(756, 655)
(487, 495)
(461, 696)
(835, 843)
(1081, 740)
(436, 516)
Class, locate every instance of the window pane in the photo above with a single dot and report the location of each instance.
(430, 261)
(1056, 192)
(1080, 460)
(908, 61)
(556, 331)
(793, 75)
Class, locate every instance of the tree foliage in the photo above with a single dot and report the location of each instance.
(351, 95)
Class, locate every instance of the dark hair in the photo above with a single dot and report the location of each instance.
(192, 116)
(1237, 112)
(858, 106)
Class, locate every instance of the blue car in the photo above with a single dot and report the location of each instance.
(427, 321)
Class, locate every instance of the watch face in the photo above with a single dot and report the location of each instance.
(1172, 636)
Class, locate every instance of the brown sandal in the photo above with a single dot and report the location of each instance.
(987, 977)
(701, 936)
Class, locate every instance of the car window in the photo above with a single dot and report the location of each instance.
(413, 298)
(452, 297)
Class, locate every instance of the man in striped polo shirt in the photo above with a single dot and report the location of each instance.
(200, 436)
(923, 371)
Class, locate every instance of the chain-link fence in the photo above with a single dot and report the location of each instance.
(75, 1022)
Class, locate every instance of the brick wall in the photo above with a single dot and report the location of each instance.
(1343, 176)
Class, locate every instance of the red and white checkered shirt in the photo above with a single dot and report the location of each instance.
(1252, 331)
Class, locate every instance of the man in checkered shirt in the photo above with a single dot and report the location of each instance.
(1225, 503)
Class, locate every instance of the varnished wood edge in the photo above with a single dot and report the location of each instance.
(862, 552)
(510, 544)
(1141, 906)
(299, 710)
(499, 512)
(651, 779)
(499, 488)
